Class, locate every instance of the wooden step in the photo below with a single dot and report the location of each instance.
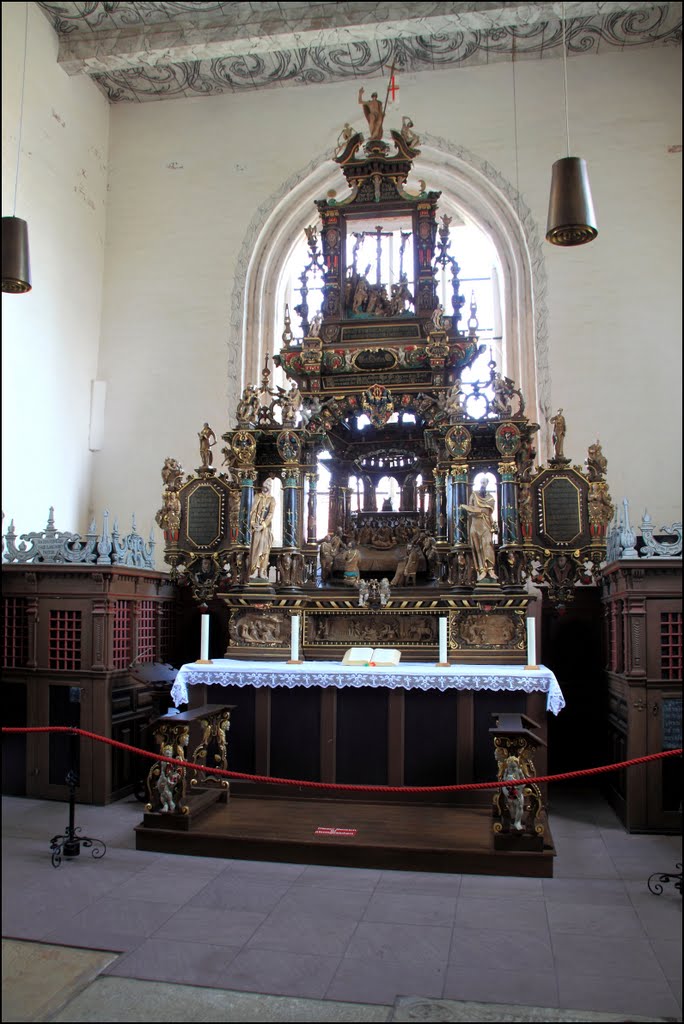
(407, 838)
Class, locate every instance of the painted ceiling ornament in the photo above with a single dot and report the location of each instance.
(378, 404)
(458, 441)
(508, 439)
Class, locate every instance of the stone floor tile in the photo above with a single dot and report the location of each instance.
(277, 972)
(594, 892)
(411, 908)
(516, 915)
(373, 981)
(496, 887)
(325, 877)
(163, 959)
(634, 995)
(475, 947)
(584, 919)
(491, 984)
(303, 933)
(420, 881)
(607, 957)
(411, 943)
(215, 926)
(235, 895)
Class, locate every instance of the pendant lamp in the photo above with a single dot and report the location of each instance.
(16, 270)
(571, 219)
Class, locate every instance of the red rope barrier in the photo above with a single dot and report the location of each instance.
(345, 786)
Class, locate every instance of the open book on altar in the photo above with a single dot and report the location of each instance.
(375, 657)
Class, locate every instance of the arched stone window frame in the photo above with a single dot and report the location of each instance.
(469, 185)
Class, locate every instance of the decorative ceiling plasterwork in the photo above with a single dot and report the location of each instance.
(148, 51)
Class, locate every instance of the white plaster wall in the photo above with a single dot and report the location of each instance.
(51, 334)
(189, 177)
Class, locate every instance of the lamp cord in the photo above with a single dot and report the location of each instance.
(21, 114)
(565, 81)
(515, 133)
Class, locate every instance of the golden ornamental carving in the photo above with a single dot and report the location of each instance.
(600, 506)
(458, 441)
(244, 446)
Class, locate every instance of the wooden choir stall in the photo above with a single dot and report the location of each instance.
(373, 495)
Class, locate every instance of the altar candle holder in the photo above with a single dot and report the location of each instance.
(443, 656)
(531, 646)
(204, 658)
(294, 641)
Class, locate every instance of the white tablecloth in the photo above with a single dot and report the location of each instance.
(411, 676)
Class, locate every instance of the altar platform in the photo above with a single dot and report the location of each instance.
(417, 837)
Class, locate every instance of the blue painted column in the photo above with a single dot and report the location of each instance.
(510, 519)
(246, 500)
(440, 507)
(459, 474)
(290, 507)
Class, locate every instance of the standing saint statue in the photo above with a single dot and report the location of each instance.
(262, 537)
(207, 440)
(558, 433)
(480, 529)
(375, 115)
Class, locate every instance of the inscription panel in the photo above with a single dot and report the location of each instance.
(560, 511)
(205, 516)
(376, 333)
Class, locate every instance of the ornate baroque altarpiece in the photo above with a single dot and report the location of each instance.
(374, 391)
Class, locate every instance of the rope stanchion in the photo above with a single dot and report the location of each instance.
(342, 786)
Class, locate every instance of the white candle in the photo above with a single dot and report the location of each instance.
(442, 639)
(204, 639)
(294, 638)
(531, 643)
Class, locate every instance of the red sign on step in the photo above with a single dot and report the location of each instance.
(322, 831)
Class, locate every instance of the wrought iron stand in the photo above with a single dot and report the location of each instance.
(69, 844)
(656, 887)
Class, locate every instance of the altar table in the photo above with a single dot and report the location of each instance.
(409, 725)
(231, 672)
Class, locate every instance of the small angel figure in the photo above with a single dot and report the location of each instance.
(454, 403)
(364, 591)
(343, 138)
(384, 591)
(311, 235)
(437, 318)
(596, 462)
(315, 325)
(407, 133)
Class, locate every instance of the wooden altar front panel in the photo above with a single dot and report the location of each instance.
(369, 736)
